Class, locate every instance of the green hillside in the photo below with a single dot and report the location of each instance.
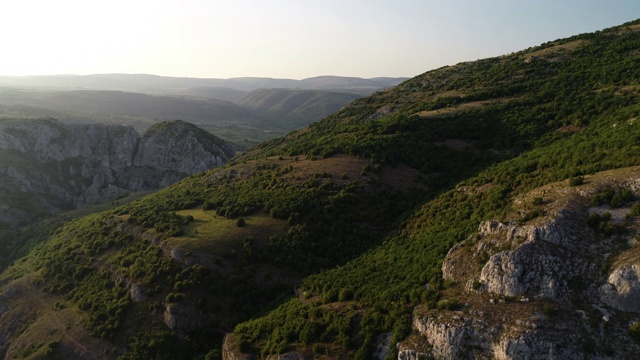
(118, 105)
(293, 109)
(323, 240)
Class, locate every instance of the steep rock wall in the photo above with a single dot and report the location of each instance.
(48, 166)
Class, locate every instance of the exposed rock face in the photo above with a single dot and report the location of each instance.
(551, 288)
(48, 166)
(622, 290)
(137, 293)
(230, 352)
(182, 318)
(460, 337)
(542, 263)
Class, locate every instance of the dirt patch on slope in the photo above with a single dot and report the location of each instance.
(555, 53)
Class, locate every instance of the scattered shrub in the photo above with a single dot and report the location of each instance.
(549, 309)
(576, 181)
(345, 294)
(447, 304)
(635, 209)
(634, 331)
(531, 215)
(476, 284)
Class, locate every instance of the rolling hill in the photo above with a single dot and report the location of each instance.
(165, 85)
(292, 109)
(487, 209)
(244, 123)
(121, 105)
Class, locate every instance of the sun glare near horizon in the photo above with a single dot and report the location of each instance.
(281, 38)
(77, 36)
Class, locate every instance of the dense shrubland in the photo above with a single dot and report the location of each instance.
(388, 281)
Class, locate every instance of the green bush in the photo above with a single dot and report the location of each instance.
(448, 304)
(476, 284)
(345, 294)
(634, 331)
(173, 298)
(576, 181)
(549, 309)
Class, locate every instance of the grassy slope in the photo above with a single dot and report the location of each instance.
(361, 222)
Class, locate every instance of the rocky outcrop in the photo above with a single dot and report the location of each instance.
(622, 290)
(230, 351)
(460, 336)
(550, 287)
(48, 166)
(137, 293)
(543, 259)
(181, 148)
(182, 318)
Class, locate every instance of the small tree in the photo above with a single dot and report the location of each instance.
(576, 181)
(240, 222)
(634, 331)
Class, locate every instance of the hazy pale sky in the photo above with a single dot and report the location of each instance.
(283, 38)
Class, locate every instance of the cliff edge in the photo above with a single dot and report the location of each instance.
(48, 167)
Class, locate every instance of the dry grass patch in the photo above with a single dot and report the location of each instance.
(342, 169)
(557, 52)
(454, 110)
(209, 230)
(571, 128)
(629, 29)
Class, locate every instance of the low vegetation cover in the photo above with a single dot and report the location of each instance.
(387, 282)
(361, 251)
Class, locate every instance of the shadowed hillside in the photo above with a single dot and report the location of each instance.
(292, 109)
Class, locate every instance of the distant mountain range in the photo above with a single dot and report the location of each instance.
(154, 84)
(243, 111)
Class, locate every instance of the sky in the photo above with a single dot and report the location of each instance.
(283, 38)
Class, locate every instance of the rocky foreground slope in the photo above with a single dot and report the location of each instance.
(47, 166)
(557, 279)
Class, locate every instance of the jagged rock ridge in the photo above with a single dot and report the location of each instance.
(60, 166)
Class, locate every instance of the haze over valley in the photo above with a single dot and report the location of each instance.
(244, 111)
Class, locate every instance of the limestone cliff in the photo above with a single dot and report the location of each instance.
(556, 279)
(47, 166)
